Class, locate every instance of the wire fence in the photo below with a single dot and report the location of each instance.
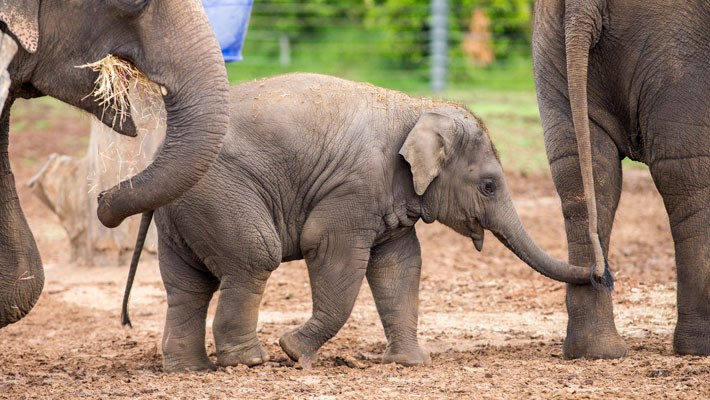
(384, 42)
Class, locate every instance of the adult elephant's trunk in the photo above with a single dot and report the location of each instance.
(506, 225)
(196, 102)
(21, 274)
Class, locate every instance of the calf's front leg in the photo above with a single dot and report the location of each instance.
(393, 275)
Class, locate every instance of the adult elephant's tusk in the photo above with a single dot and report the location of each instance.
(163, 90)
(8, 48)
(478, 243)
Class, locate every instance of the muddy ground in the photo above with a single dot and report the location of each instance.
(493, 327)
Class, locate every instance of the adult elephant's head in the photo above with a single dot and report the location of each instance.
(168, 40)
(458, 175)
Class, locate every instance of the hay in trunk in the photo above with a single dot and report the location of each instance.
(121, 87)
(117, 77)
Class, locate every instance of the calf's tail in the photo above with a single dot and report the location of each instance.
(140, 241)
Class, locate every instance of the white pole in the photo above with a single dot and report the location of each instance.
(284, 51)
(438, 44)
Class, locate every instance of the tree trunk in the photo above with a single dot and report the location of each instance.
(69, 186)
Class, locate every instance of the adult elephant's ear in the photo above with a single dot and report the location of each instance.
(21, 18)
(425, 148)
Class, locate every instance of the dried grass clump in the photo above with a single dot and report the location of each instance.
(121, 87)
(117, 77)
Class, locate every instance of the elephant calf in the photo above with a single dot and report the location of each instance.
(336, 173)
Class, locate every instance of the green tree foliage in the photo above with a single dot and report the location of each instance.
(405, 25)
(304, 18)
(347, 37)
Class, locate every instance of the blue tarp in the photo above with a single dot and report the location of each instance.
(229, 20)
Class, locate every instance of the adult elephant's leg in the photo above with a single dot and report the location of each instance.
(591, 331)
(684, 182)
(393, 275)
(21, 274)
(189, 290)
(337, 254)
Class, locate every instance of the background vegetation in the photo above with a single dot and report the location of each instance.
(385, 42)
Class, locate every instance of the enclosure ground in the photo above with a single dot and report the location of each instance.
(494, 327)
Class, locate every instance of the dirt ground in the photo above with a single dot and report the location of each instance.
(494, 328)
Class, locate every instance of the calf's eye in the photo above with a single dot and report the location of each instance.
(487, 187)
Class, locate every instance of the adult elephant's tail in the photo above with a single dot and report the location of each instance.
(583, 27)
(140, 240)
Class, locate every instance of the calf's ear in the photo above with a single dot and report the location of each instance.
(22, 20)
(425, 148)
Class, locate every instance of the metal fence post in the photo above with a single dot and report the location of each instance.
(438, 44)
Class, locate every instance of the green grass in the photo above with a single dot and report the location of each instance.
(514, 125)
(29, 161)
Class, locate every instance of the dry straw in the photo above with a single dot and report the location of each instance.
(119, 79)
(117, 76)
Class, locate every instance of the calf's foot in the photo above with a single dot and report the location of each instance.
(177, 364)
(408, 356)
(249, 353)
(298, 350)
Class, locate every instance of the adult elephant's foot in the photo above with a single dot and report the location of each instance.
(178, 364)
(591, 332)
(597, 345)
(250, 353)
(298, 349)
(407, 356)
(692, 335)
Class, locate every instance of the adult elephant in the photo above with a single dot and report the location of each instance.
(628, 79)
(172, 43)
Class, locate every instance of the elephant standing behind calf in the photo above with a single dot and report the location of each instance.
(638, 71)
(336, 173)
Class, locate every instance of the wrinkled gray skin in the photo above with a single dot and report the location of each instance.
(173, 44)
(641, 69)
(336, 173)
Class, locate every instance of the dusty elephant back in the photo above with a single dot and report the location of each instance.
(317, 101)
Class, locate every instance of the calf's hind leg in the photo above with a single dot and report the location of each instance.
(393, 275)
(236, 319)
(189, 291)
(247, 255)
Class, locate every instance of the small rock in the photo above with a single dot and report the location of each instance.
(488, 375)
(349, 361)
(658, 373)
